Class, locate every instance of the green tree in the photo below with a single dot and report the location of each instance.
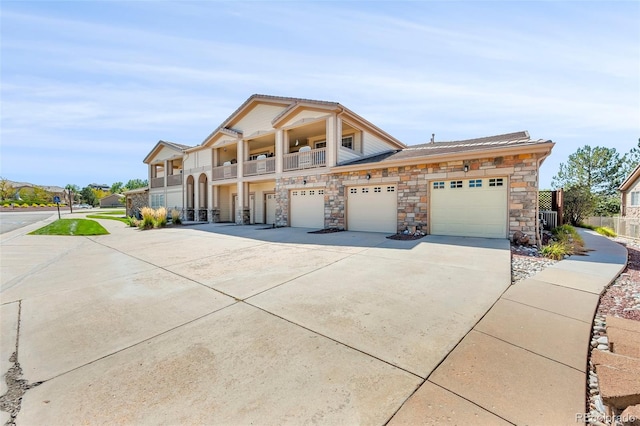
(88, 196)
(6, 189)
(116, 188)
(72, 190)
(631, 160)
(599, 169)
(579, 203)
(136, 183)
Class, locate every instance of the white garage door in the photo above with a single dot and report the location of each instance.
(372, 208)
(469, 207)
(307, 208)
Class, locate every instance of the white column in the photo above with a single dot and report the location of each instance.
(279, 151)
(332, 143)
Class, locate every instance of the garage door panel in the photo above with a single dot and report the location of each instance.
(307, 208)
(372, 208)
(474, 210)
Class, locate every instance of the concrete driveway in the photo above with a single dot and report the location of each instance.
(236, 325)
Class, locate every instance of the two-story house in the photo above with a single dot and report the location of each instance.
(316, 164)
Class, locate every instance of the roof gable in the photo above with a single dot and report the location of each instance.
(161, 145)
(631, 179)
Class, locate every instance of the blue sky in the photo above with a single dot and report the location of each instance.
(88, 88)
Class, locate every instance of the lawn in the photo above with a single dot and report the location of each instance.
(71, 227)
(111, 216)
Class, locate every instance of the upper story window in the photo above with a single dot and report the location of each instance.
(635, 198)
(347, 141)
(320, 144)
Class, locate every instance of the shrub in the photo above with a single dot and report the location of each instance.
(607, 232)
(175, 216)
(556, 251)
(567, 234)
(587, 226)
(160, 217)
(148, 216)
(133, 222)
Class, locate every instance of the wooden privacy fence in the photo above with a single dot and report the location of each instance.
(624, 226)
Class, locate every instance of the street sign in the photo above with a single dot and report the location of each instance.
(56, 200)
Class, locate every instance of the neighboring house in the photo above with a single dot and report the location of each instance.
(630, 191)
(53, 190)
(316, 164)
(113, 200)
(100, 186)
(136, 199)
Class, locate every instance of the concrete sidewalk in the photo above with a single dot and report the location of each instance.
(525, 362)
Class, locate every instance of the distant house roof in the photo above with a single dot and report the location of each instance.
(631, 179)
(136, 191)
(112, 196)
(453, 147)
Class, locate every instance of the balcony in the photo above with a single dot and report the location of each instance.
(174, 180)
(227, 171)
(305, 159)
(157, 182)
(261, 166)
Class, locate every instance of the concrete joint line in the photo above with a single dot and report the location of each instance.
(530, 351)
(140, 342)
(334, 340)
(546, 310)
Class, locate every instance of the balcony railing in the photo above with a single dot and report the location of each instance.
(174, 180)
(260, 167)
(305, 160)
(229, 171)
(157, 182)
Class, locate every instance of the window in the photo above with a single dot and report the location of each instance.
(391, 188)
(303, 192)
(475, 183)
(438, 185)
(347, 141)
(635, 198)
(496, 182)
(365, 190)
(377, 189)
(321, 192)
(294, 193)
(312, 192)
(456, 184)
(157, 200)
(353, 191)
(320, 144)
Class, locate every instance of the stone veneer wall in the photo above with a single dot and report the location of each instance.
(413, 190)
(138, 201)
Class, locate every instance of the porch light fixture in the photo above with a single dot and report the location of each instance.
(466, 168)
(304, 182)
(297, 142)
(368, 176)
